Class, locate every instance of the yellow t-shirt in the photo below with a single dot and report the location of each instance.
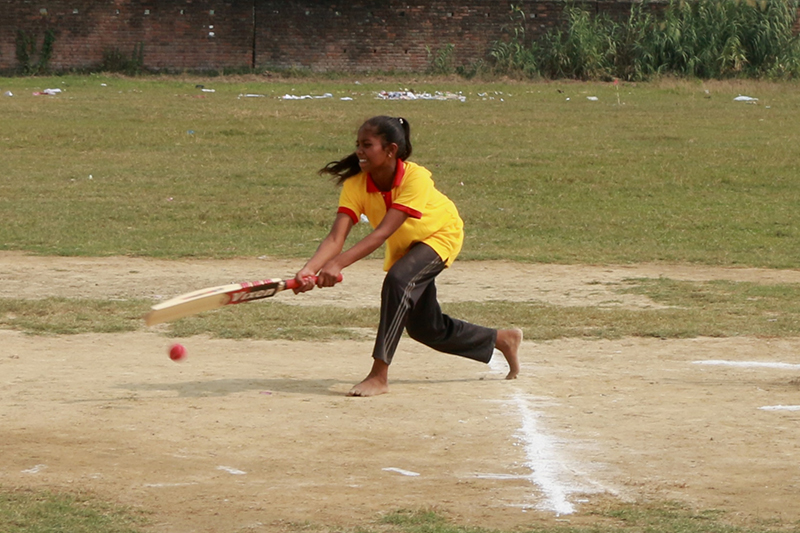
(432, 216)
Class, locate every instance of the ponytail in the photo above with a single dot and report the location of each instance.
(343, 169)
(406, 139)
(395, 130)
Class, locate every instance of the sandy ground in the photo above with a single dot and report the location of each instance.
(258, 435)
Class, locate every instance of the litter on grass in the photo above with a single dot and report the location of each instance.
(305, 96)
(742, 98)
(498, 95)
(411, 95)
(403, 94)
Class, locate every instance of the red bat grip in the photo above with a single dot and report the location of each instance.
(292, 283)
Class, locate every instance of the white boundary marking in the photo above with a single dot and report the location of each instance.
(400, 471)
(550, 471)
(159, 485)
(231, 470)
(758, 364)
(749, 364)
(543, 460)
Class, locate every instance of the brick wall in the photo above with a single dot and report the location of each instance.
(174, 34)
(381, 35)
(323, 35)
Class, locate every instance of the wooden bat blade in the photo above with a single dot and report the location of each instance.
(158, 314)
(210, 298)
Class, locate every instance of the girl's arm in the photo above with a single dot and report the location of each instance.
(329, 272)
(330, 247)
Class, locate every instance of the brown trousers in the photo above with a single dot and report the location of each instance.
(408, 301)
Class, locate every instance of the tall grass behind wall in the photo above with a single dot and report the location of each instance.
(583, 51)
(711, 39)
(703, 38)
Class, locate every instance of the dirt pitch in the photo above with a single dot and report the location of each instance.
(258, 436)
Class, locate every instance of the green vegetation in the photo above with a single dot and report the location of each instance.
(703, 38)
(64, 316)
(673, 171)
(33, 61)
(666, 517)
(115, 60)
(28, 511)
(692, 309)
(684, 309)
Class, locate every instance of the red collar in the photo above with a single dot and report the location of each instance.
(398, 178)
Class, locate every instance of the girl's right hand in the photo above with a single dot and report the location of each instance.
(329, 275)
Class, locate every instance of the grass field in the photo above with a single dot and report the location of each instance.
(673, 171)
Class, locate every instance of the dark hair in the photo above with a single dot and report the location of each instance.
(392, 129)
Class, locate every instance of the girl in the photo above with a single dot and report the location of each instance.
(423, 233)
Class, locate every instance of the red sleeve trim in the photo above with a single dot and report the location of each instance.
(413, 213)
(349, 212)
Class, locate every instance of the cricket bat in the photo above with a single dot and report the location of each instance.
(210, 298)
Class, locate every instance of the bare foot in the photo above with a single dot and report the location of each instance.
(508, 341)
(377, 382)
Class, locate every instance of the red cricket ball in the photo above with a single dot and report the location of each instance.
(177, 352)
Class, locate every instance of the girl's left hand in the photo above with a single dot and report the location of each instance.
(304, 279)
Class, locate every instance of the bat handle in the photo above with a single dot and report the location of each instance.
(292, 283)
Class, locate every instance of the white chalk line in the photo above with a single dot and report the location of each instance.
(758, 364)
(543, 460)
(503, 476)
(161, 485)
(549, 469)
(231, 470)
(780, 408)
(401, 471)
(749, 364)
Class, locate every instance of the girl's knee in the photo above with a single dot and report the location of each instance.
(416, 332)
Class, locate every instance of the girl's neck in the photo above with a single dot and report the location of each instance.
(384, 177)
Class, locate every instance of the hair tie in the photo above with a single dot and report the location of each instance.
(401, 120)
